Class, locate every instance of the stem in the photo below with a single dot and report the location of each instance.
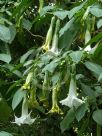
(98, 130)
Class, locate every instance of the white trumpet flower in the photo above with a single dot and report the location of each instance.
(72, 100)
(25, 116)
(54, 49)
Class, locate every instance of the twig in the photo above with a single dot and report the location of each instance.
(36, 35)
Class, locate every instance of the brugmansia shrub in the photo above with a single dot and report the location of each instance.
(62, 78)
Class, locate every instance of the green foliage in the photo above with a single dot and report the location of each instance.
(43, 46)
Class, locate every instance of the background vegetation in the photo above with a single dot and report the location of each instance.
(50, 67)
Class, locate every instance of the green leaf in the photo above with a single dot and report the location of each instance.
(13, 70)
(96, 11)
(18, 96)
(80, 112)
(5, 110)
(66, 27)
(12, 33)
(5, 33)
(61, 14)
(46, 9)
(26, 55)
(26, 24)
(55, 78)
(24, 4)
(76, 56)
(87, 90)
(5, 58)
(84, 126)
(97, 116)
(95, 68)
(50, 67)
(95, 38)
(99, 23)
(4, 20)
(67, 121)
(3, 133)
(100, 77)
(68, 36)
(73, 11)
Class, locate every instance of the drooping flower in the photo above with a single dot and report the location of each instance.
(72, 100)
(45, 87)
(55, 108)
(46, 46)
(54, 49)
(32, 98)
(25, 116)
(87, 39)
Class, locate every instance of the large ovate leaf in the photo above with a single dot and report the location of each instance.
(76, 56)
(87, 90)
(18, 96)
(67, 121)
(5, 33)
(50, 67)
(12, 32)
(96, 11)
(61, 14)
(68, 35)
(80, 112)
(93, 67)
(5, 58)
(66, 27)
(97, 116)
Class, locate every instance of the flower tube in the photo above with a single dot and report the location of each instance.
(72, 100)
(46, 46)
(54, 48)
(25, 116)
(55, 108)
